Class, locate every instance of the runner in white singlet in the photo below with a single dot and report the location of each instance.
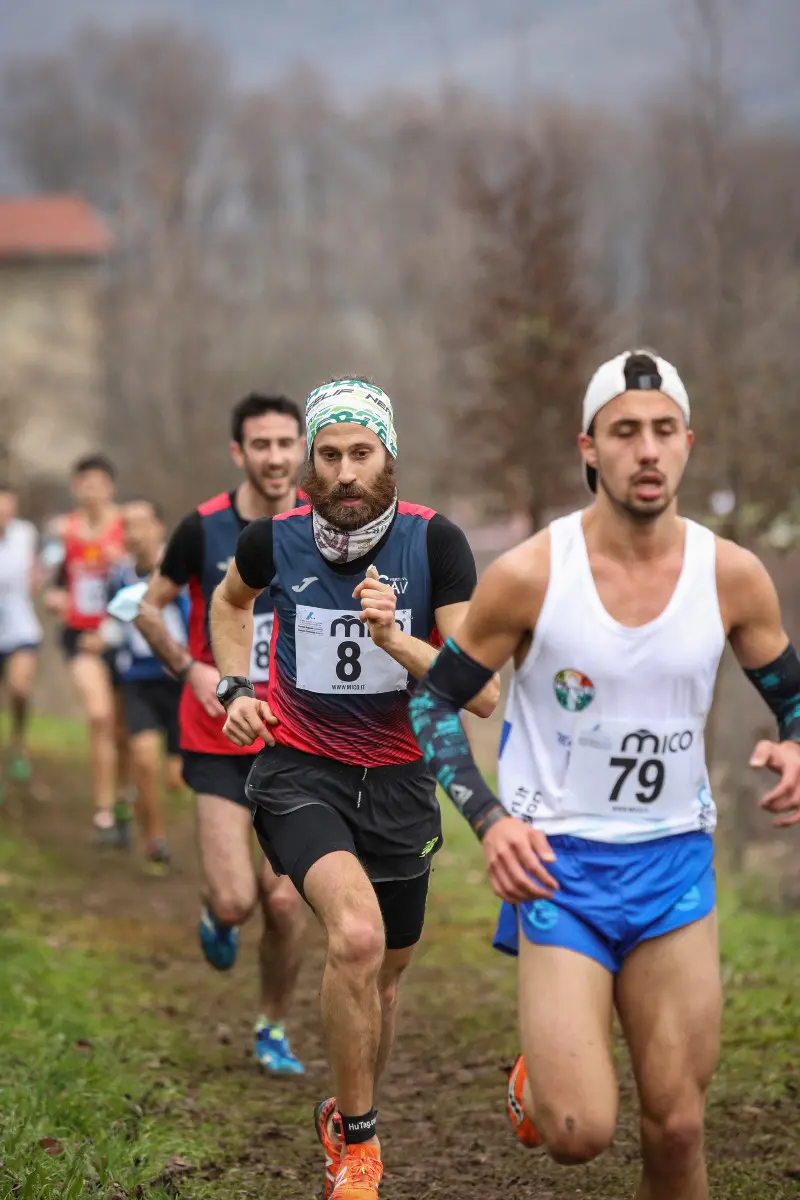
(20, 631)
(615, 619)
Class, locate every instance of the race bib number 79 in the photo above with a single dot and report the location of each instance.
(335, 653)
(651, 771)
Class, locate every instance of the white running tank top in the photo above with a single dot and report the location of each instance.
(604, 731)
(19, 625)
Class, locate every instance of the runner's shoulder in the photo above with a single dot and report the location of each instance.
(526, 565)
(25, 529)
(188, 531)
(743, 583)
(736, 565)
(255, 555)
(517, 580)
(183, 556)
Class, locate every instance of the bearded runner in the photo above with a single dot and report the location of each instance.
(600, 841)
(363, 585)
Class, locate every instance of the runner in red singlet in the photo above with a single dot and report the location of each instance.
(92, 542)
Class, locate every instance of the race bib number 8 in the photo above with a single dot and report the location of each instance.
(646, 772)
(259, 654)
(335, 654)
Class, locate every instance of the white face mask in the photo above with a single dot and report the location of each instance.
(345, 545)
(126, 604)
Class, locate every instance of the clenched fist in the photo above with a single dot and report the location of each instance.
(378, 604)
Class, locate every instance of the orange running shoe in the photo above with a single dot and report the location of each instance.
(523, 1126)
(329, 1131)
(360, 1173)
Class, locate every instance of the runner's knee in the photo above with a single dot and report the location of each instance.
(571, 1138)
(675, 1135)
(283, 906)
(231, 904)
(145, 754)
(101, 724)
(356, 941)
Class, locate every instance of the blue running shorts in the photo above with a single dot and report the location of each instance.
(614, 896)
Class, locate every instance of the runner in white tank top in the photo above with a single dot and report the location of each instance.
(20, 631)
(615, 619)
(604, 727)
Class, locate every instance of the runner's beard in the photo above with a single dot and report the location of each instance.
(638, 513)
(327, 499)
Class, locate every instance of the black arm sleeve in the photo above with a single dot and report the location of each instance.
(255, 561)
(453, 680)
(779, 684)
(451, 563)
(183, 557)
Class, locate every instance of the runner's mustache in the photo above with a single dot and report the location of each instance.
(346, 492)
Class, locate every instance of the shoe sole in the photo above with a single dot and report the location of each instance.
(285, 1072)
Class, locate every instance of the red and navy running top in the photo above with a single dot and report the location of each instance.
(88, 561)
(198, 555)
(334, 692)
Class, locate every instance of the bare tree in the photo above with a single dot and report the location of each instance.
(532, 328)
(721, 271)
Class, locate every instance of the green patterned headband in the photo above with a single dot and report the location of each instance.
(351, 401)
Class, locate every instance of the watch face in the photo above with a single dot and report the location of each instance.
(223, 686)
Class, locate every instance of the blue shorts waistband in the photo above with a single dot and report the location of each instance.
(578, 845)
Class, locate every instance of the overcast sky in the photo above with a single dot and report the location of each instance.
(606, 51)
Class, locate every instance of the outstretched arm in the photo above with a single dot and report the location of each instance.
(501, 615)
(752, 615)
(150, 622)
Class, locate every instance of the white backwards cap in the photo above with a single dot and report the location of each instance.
(611, 380)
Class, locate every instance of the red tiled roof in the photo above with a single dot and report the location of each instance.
(51, 226)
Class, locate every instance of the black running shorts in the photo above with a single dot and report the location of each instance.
(152, 704)
(223, 775)
(305, 806)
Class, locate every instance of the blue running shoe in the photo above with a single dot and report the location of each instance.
(274, 1052)
(220, 943)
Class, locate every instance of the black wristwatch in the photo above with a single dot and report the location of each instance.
(232, 686)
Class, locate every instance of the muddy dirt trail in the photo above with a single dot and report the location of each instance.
(442, 1104)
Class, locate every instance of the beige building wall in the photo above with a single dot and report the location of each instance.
(52, 378)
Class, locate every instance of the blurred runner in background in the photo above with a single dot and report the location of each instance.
(20, 631)
(92, 543)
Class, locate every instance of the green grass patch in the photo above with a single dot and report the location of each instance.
(83, 1089)
(56, 736)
